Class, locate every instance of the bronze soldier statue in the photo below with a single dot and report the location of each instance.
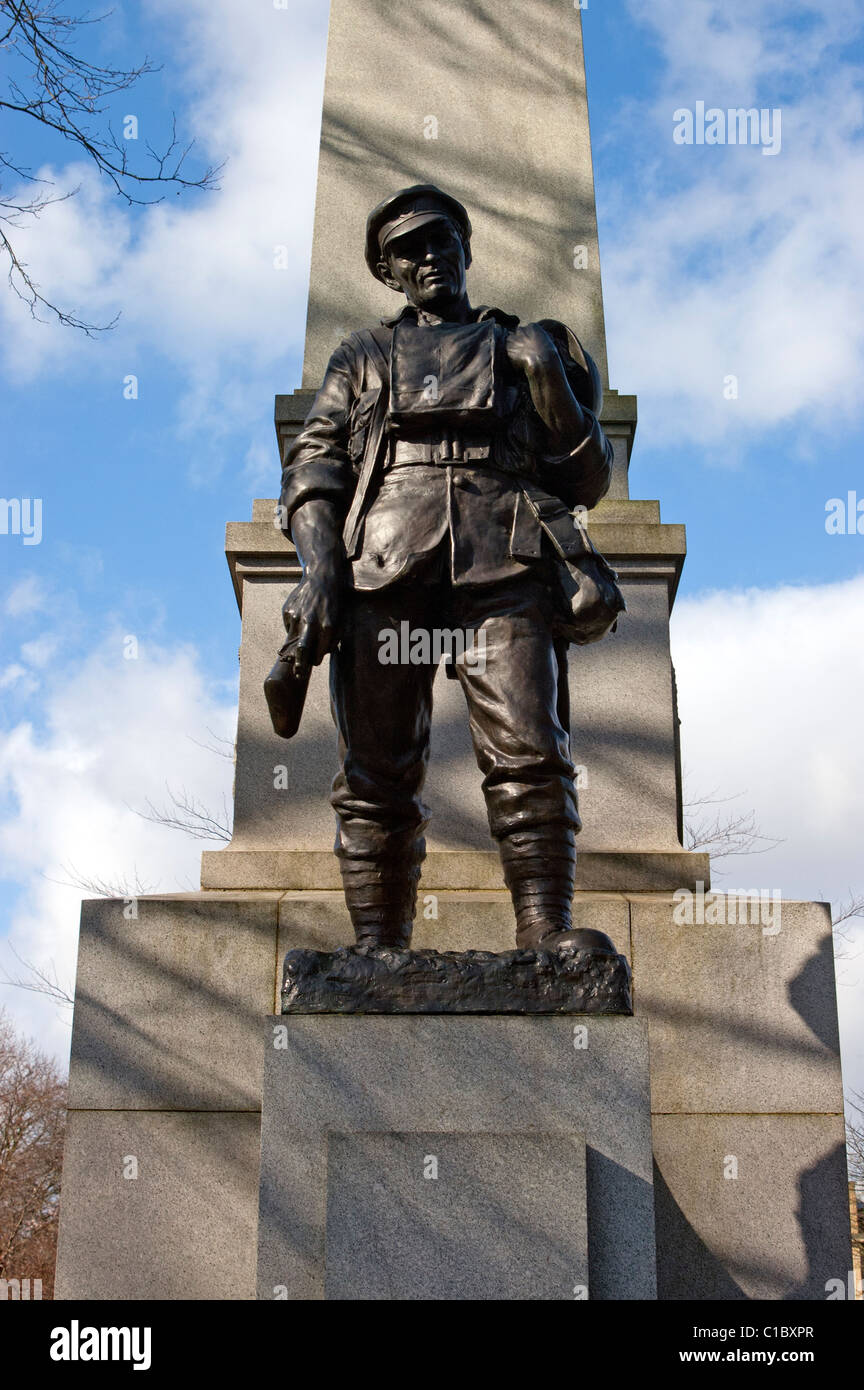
(434, 483)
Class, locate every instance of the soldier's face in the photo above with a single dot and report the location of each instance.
(428, 265)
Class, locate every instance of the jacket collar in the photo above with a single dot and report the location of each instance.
(409, 311)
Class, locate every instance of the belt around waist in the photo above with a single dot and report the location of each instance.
(444, 453)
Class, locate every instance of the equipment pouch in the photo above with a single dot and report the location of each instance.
(449, 373)
(592, 598)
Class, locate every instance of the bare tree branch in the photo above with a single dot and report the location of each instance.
(49, 83)
(723, 837)
(189, 815)
(852, 906)
(847, 910)
(227, 749)
(45, 980)
(41, 981)
(120, 888)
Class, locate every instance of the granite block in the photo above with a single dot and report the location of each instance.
(742, 1018)
(183, 1227)
(456, 1216)
(455, 1075)
(750, 1206)
(168, 1003)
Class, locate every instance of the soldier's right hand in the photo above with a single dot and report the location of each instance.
(311, 616)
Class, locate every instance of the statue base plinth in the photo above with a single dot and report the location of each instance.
(382, 981)
(490, 1158)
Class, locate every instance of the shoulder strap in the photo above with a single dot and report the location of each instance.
(569, 538)
(369, 342)
(568, 535)
(368, 339)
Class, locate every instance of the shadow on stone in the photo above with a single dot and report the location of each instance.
(812, 994)
(829, 1256)
(686, 1268)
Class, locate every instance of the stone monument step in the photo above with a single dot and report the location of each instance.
(622, 871)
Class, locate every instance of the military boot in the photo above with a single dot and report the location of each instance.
(381, 896)
(540, 870)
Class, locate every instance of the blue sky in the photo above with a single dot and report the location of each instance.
(716, 261)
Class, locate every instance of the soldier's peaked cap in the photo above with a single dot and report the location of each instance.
(404, 212)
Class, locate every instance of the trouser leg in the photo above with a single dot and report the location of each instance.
(523, 750)
(383, 714)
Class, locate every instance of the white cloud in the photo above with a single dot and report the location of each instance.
(713, 41)
(17, 675)
(115, 733)
(749, 269)
(27, 596)
(770, 689)
(39, 651)
(749, 266)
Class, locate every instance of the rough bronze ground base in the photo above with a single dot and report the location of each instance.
(362, 981)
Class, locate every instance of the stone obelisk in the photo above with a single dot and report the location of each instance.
(177, 998)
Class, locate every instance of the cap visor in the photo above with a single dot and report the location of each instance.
(420, 219)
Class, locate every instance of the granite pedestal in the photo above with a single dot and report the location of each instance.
(409, 1157)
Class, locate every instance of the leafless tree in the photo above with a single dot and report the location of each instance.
(97, 887)
(47, 81)
(855, 1156)
(45, 980)
(851, 907)
(221, 746)
(32, 1123)
(184, 812)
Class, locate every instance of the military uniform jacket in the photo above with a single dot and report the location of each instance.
(448, 481)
